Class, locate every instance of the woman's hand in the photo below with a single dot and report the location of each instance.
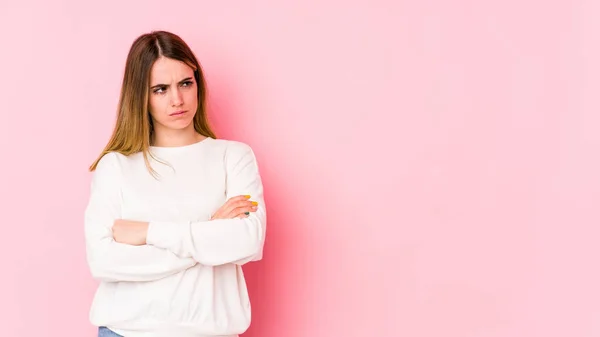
(236, 207)
(130, 232)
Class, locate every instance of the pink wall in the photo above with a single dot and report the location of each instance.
(432, 167)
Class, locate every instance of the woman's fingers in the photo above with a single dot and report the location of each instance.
(240, 208)
(243, 211)
(234, 203)
(228, 207)
(236, 207)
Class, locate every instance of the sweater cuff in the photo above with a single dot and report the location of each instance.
(162, 234)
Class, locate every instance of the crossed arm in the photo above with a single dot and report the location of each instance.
(128, 250)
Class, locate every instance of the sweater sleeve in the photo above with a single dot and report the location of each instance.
(111, 261)
(222, 241)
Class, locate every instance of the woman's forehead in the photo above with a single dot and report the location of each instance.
(166, 71)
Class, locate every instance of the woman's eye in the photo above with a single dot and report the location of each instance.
(159, 90)
(187, 83)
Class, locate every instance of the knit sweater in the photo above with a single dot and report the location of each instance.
(187, 280)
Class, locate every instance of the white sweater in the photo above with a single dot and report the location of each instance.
(187, 280)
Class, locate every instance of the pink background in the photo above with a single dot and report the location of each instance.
(432, 167)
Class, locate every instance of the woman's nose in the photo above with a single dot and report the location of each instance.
(176, 98)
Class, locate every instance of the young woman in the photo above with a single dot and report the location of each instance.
(173, 212)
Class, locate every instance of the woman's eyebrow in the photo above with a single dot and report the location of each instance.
(165, 85)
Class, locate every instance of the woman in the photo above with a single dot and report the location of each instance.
(173, 212)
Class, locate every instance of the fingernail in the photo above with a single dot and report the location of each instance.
(247, 213)
(247, 196)
(255, 203)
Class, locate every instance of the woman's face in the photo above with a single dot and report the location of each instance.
(173, 94)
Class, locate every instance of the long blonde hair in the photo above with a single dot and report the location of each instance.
(133, 129)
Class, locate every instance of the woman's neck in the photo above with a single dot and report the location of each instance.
(174, 138)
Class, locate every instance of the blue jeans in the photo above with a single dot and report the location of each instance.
(106, 332)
